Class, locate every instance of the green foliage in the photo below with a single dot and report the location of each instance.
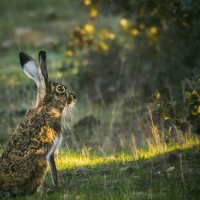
(148, 45)
(183, 114)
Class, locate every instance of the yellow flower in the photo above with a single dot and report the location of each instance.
(124, 23)
(89, 28)
(134, 32)
(69, 53)
(104, 46)
(93, 12)
(87, 2)
(111, 36)
(153, 30)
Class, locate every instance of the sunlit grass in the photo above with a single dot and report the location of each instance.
(86, 174)
(67, 159)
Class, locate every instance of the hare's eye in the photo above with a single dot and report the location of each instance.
(60, 89)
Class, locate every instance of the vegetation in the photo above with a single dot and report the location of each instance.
(145, 174)
(133, 133)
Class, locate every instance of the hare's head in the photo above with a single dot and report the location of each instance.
(48, 92)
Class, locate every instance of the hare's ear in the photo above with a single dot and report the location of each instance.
(30, 68)
(43, 66)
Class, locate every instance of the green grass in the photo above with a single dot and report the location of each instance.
(93, 173)
(88, 175)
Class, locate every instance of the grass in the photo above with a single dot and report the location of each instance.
(147, 175)
(156, 171)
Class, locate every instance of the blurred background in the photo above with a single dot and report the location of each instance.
(118, 56)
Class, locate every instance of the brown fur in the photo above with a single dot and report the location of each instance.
(23, 164)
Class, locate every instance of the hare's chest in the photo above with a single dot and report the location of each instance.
(56, 143)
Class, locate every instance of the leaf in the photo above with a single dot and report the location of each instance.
(170, 169)
(128, 169)
(158, 173)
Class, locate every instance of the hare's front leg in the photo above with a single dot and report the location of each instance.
(53, 170)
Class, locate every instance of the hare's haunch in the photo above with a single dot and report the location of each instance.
(24, 162)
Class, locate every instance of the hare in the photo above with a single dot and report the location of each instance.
(24, 162)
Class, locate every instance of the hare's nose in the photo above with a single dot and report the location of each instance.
(73, 95)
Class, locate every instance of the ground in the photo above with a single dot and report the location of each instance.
(173, 174)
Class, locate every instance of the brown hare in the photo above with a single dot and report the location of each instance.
(31, 148)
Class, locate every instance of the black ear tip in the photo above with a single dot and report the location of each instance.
(42, 54)
(23, 58)
(21, 55)
(42, 51)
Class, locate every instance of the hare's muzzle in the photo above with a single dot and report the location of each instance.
(71, 99)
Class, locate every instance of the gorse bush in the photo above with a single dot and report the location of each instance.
(124, 51)
(147, 45)
(185, 113)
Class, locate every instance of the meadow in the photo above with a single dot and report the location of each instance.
(115, 146)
